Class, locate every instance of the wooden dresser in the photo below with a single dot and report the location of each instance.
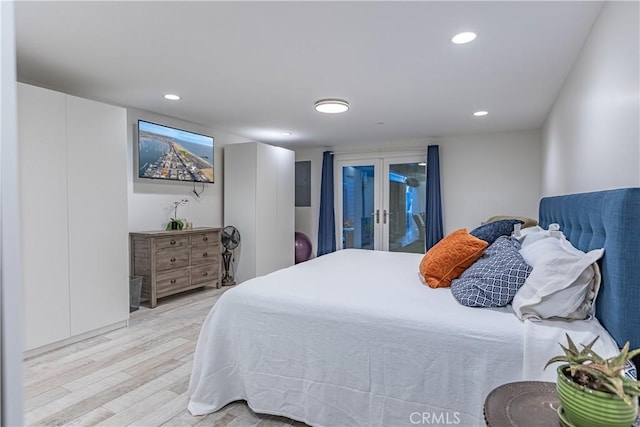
(175, 261)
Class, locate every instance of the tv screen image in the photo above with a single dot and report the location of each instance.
(173, 154)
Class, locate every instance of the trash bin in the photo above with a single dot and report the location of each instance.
(135, 287)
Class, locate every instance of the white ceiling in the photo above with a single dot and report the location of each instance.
(255, 69)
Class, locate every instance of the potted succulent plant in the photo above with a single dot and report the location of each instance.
(594, 391)
(175, 223)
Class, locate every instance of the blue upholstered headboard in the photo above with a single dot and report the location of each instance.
(610, 220)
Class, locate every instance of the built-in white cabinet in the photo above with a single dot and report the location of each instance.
(73, 160)
(259, 201)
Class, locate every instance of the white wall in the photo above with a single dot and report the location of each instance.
(481, 176)
(307, 217)
(486, 175)
(150, 200)
(11, 376)
(591, 137)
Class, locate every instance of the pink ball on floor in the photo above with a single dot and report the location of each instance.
(303, 247)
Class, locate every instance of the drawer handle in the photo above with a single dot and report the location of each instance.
(205, 238)
(172, 259)
(204, 254)
(173, 242)
(173, 280)
(205, 274)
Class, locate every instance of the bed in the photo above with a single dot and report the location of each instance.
(354, 338)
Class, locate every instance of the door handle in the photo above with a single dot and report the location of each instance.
(384, 217)
(377, 216)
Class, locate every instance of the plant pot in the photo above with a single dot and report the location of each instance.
(175, 225)
(584, 407)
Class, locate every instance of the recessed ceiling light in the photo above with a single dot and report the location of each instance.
(331, 106)
(462, 38)
(286, 133)
(422, 164)
(172, 97)
(480, 113)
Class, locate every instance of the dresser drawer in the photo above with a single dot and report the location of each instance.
(204, 254)
(200, 239)
(172, 242)
(170, 282)
(169, 259)
(204, 273)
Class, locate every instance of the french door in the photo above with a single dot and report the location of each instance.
(381, 202)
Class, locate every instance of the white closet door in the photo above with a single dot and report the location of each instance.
(258, 200)
(43, 189)
(97, 157)
(266, 210)
(285, 164)
(240, 168)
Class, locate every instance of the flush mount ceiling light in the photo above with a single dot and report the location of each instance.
(480, 113)
(462, 38)
(331, 106)
(172, 97)
(286, 134)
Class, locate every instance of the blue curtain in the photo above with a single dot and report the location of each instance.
(327, 226)
(433, 232)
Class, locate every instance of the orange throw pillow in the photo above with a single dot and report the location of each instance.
(448, 258)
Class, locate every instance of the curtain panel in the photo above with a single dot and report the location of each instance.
(433, 232)
(327, 223)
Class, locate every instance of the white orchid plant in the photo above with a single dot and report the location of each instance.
(179, 223)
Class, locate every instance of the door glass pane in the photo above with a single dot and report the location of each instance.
(358, 191)
(407, 206)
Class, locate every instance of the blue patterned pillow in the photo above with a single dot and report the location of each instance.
(630, 370)
(491, 231)
(494, 279)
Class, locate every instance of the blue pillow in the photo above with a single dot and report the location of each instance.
(491, 231)
(494, 279)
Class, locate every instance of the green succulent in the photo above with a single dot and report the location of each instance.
(588, 368)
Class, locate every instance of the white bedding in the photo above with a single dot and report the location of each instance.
(354, 339)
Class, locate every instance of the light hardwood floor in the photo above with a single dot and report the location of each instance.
(132, 376)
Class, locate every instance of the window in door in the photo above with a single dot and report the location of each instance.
(358, 201)
(406, 206)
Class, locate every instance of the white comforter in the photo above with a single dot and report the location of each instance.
(354, 338)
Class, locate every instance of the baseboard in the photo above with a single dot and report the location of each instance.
(74, 339)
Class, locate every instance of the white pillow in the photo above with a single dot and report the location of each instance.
(564, 282)
(530, 235)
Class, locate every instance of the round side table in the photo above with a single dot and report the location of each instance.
(523, 404)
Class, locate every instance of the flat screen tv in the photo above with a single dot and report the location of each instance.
(174, 155)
